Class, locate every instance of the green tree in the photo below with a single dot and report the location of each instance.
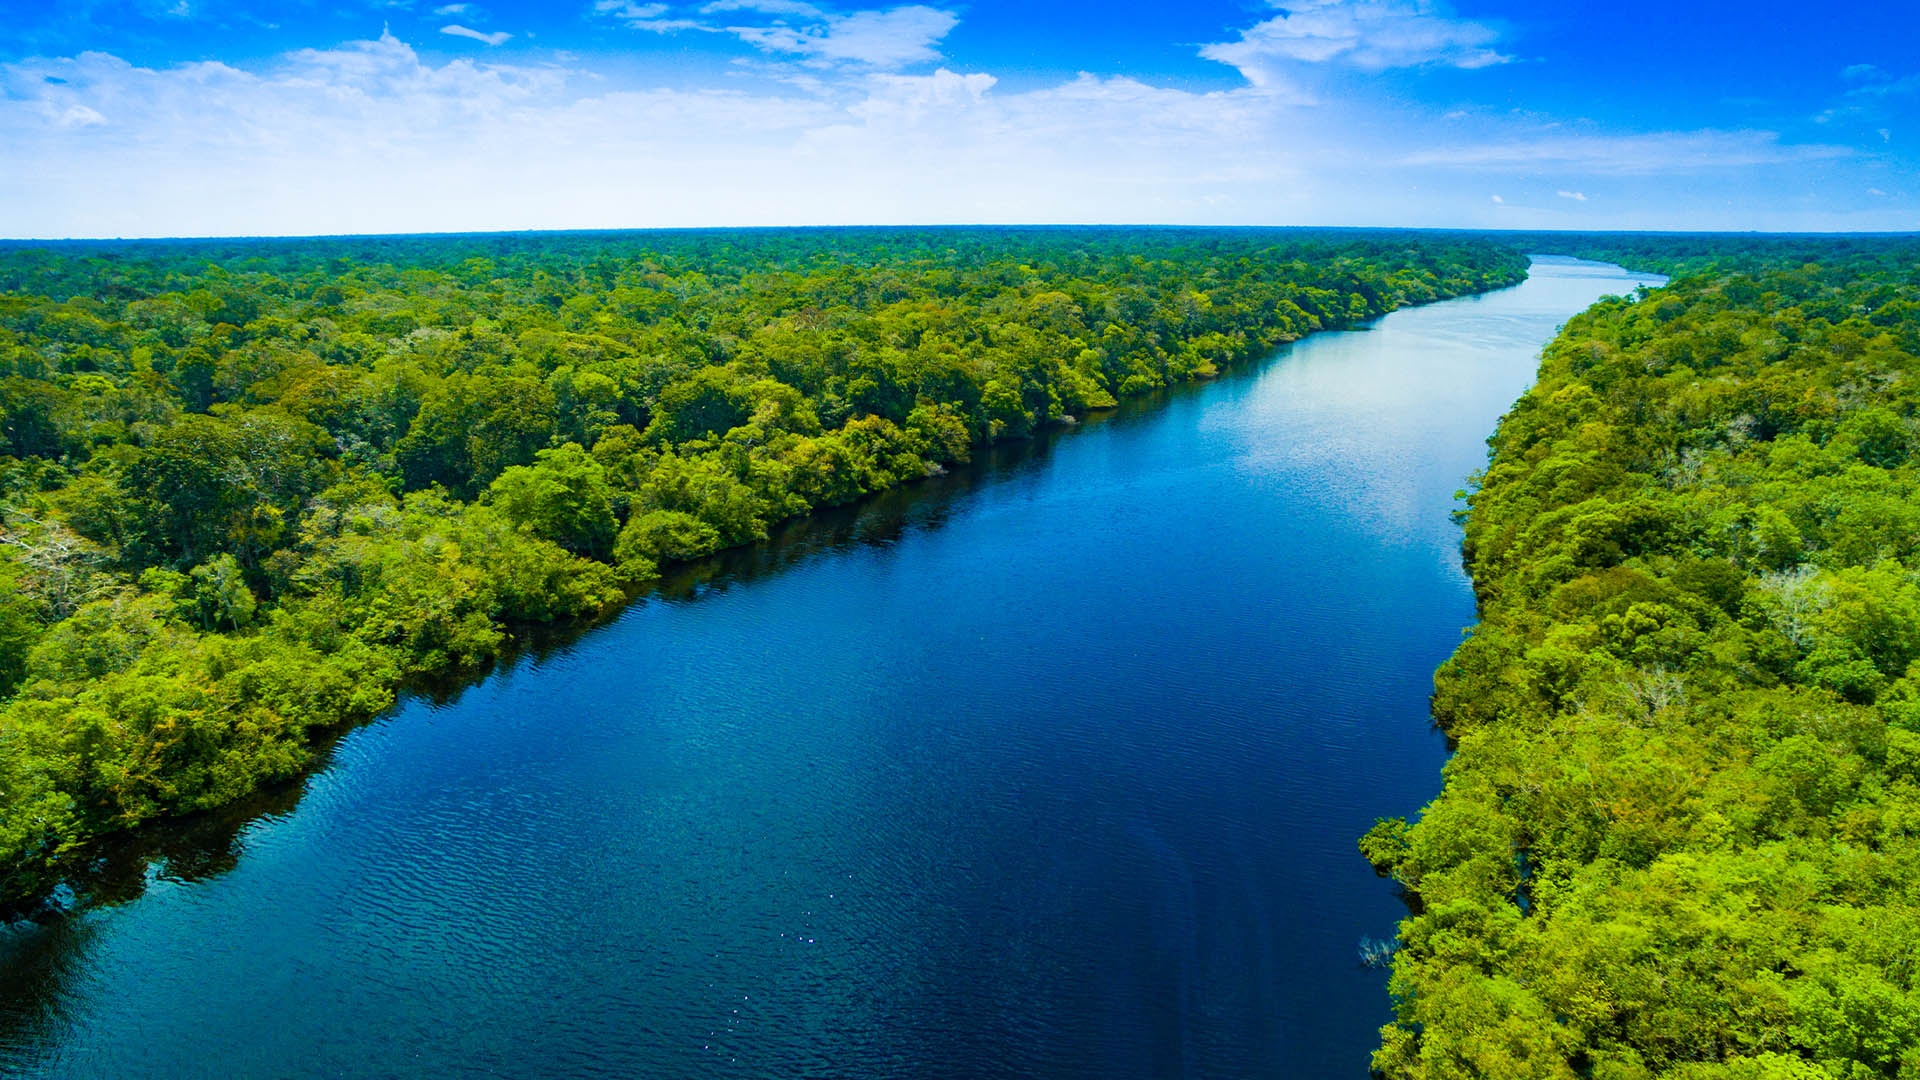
(564, 497)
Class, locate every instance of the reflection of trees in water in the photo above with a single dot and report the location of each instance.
(42, 950)
(36, 964)
(883, 518)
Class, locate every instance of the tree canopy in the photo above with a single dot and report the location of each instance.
(248, 487)
(1681, 834)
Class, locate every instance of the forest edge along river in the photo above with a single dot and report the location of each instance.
(1053, 766)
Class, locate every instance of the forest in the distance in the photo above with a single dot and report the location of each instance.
(250, 488)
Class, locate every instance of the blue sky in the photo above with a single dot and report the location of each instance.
(212, 117)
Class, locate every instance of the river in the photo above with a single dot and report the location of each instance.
(1050, 768)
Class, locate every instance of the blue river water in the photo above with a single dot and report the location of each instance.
(1050, 768)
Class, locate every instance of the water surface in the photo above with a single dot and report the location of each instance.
(1051, 768)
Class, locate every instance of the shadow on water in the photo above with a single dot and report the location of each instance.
(881, 519)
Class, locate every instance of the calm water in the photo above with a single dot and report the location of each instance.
(1050, 769)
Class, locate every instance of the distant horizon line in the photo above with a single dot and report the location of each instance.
(1112, 226)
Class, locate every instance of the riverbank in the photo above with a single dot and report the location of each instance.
(1677, 839)
(1048, 767)
(259, 509)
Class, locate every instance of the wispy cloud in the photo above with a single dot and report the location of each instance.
(648, 17)
(1576, 196)
(1882, 85)
(1368, 34)
(896, 38)
(497, 37)
(765, 7)
(626, 11)
(879, 39)
(1873, 97)
(75, 116)
(1642, 153)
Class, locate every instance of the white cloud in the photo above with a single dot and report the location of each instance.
(1576, 196)
(1368, 34)
(878, 39)
(1498, 200)
(646, 16)
(497, 37)
(1642, 153)
(71, 116)
(764, 7)
(453, 9)
(896, 38)
(370, 137)
(1884, 86)
(629, 12)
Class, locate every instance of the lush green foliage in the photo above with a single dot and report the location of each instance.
(247, 488)
(1681, 834)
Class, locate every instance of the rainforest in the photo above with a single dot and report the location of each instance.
(251, 488)
(1679, 834)
(255, 492)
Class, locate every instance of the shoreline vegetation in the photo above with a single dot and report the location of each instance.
(1679, 834)
(251, 489)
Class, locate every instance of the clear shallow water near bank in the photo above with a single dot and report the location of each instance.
(1050, 768)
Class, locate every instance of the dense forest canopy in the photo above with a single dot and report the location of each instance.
(248, 488)
(1681, 834)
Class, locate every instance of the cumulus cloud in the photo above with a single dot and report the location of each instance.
(1371, 35)
(497, 37)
